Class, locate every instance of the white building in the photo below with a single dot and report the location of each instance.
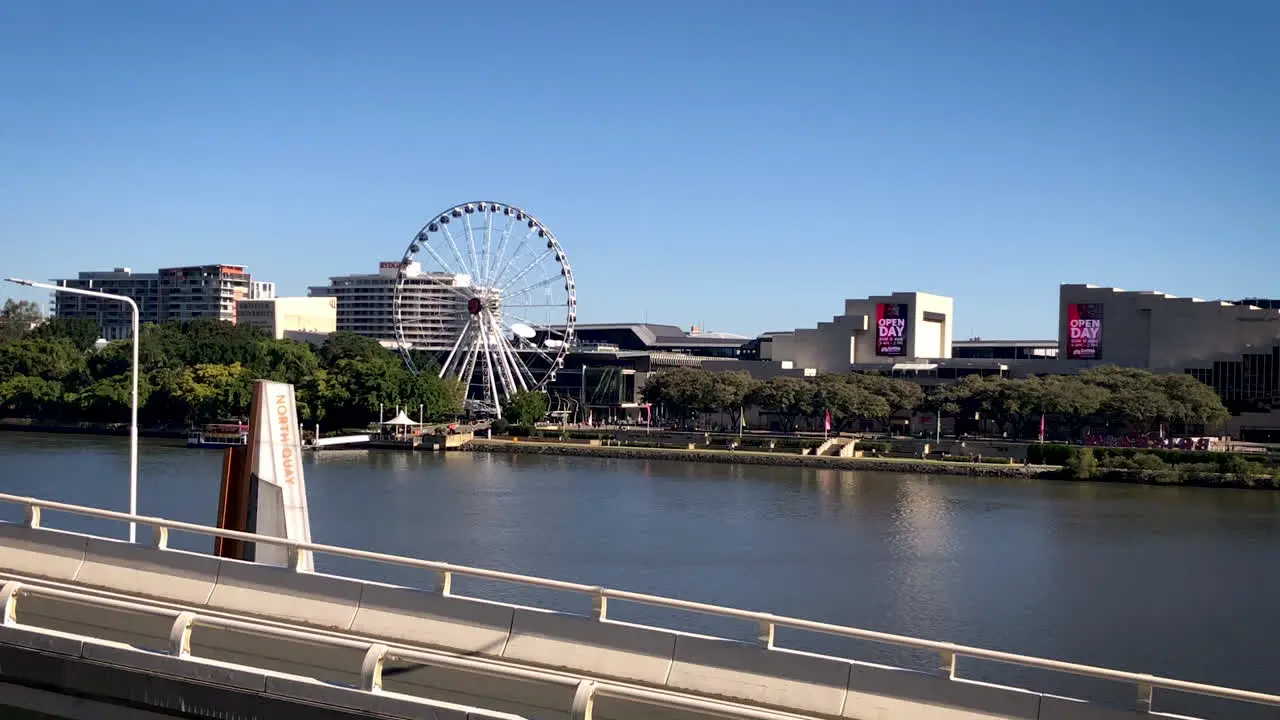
(433, 309)
(882, 330)
(261, 290)
(279, 316)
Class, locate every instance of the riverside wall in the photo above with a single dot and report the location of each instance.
(777, 459)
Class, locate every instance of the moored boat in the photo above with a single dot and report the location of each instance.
(219, 435)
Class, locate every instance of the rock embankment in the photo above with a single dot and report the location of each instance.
(762, 458)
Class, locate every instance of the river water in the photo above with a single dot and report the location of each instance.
(1171, 581)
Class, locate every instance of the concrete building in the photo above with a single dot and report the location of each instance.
(1234, 347)
(182, 293)
(434, 308)
(113, 318)
(282, 315)
(261, 290)
(202, 292)
(876, 332)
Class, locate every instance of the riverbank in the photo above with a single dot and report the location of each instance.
(120, 430)
(776, 459)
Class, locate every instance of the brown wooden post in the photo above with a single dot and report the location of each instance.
(234, 500)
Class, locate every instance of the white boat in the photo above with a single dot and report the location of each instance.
(219, 435)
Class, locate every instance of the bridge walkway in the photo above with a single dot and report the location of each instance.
(161, 610)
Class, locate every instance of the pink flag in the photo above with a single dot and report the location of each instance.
(826, 422)
(1041, 427)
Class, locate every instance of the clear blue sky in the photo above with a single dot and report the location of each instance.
(745, 165)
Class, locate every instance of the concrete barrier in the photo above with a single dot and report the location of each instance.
(750, 673)
(41, 553)
(586, 645)
(307, 598)
(110, 675)
(181, 577)
(888, 693)
(428, 619)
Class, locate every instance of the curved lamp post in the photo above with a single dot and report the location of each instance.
(133, 421)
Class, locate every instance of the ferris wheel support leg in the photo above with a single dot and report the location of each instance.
(457, 343)
(508, 369)
(490, 370)
(517, 366)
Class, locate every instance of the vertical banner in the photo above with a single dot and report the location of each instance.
(279, 493)
(1084, 331)
(891, 329)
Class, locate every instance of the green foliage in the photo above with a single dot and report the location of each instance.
(500, 426)
(82, 332)
(526, 407)
(1116, 398)
(203, 371)
(1081, 465)
(16, 319)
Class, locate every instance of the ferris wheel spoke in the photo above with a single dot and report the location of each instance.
(525, 271)
(488, 242)
(448, 269)
(489, 370)
(546, 282)
(471, 244)
(457, 254)
(511, 260)
(502, 248)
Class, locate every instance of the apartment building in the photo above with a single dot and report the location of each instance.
(434, 310)
(178, 293)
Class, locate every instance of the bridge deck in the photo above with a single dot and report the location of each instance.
(357, 636)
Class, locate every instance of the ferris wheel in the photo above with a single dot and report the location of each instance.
(486, 290)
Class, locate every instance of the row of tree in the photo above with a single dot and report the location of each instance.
(1111, 397)
(203, 371)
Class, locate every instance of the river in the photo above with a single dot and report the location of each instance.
(1172, 581)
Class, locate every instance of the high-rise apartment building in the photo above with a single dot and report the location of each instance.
(203, 291)
(113, 318)
(182, 293)
(434, 310)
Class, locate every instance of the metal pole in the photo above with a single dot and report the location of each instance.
(133, 426)
(133, 404)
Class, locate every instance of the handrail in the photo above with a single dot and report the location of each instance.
(768, 622)
(376, 654)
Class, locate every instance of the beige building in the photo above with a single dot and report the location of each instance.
(1158, 331)
(884, 330)
(282, 315)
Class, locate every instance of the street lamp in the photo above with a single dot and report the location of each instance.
(133, 421)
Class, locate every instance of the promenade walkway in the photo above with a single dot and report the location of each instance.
(97, 620)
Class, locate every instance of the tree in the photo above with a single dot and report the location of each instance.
(30, 397)
(17, 317)
(82, 332)
(788, 397)
(525, 407)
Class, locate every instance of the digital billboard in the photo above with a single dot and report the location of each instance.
(1084, 331)
(891, 329)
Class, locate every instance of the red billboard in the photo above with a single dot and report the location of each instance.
(1084, 331)
(891, 329)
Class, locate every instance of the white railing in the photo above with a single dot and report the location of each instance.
(948, 653)
(585, 691)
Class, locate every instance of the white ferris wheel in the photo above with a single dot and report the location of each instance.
(486, 289)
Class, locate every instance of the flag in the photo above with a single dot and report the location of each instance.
(826, 422)
(1041, 427)
(742, 417)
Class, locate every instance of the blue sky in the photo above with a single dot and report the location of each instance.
(742, 165)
